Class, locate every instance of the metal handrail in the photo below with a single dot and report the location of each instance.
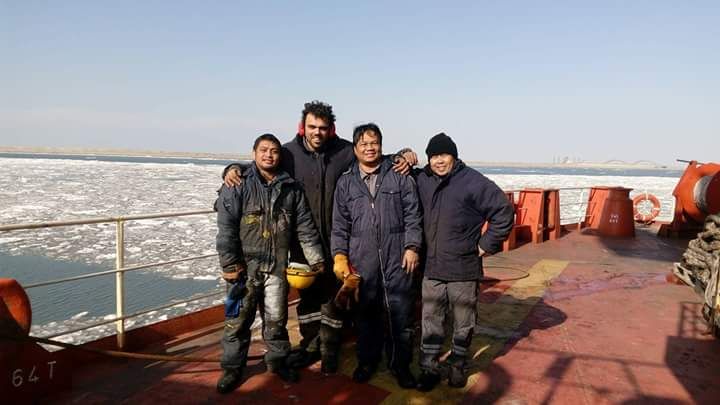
(570, 204)
(581, 201)
(133, 315)
(551, 188)
(120, 268)
(100, 220)
(576, 217)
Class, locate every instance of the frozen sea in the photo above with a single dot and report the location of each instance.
(38, 189)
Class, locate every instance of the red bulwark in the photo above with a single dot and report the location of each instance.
(594, 322)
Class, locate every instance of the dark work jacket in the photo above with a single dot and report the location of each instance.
(455, 208)
(318, 172)
(258, 220)
(374, 232)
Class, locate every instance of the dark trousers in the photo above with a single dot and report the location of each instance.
(385, 321)
(269, 292)
(319, 319)
(440, 298)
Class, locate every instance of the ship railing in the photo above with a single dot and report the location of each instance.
(573, 203)
(120, 268)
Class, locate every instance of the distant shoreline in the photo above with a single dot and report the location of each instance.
(121, 152)
(234, 156)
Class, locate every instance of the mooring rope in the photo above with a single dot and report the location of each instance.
(702, 258)
(698, 258)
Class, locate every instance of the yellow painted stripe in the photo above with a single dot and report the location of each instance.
(504, 317)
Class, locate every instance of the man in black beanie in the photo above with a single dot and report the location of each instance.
(441, 144)
(457, 201)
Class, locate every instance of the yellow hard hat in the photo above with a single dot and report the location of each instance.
(300, 276)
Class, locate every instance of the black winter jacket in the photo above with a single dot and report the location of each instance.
(318, 173)
(258, 220)
(455, 208)
(374, 232)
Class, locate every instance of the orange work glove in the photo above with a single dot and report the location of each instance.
(341, 267)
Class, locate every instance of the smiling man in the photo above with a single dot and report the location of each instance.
(376, 231)
(457, 201)
(257, 220)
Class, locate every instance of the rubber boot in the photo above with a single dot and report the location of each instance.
(229, 380)
(404, 377)
(428, 381)
(302, 358)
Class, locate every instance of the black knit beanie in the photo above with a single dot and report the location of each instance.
(439, 144)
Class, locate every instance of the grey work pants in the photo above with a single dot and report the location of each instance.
(439, 298)
(269, 292)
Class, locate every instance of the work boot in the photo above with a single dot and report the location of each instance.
(229, 380)
(329, 365)
(444, 370)
(287, 374)
(363, 373)
(427, 381)
(302, 358)
(457, 377)
(404, 377)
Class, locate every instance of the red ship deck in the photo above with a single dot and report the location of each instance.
(595, 322)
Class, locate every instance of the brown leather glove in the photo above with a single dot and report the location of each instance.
(352, 281)
(318, 267)
(349, 292)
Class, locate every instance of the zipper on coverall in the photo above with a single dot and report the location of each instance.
(382, 271)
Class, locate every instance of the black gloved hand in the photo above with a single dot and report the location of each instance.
(232, 273)
(318, 267)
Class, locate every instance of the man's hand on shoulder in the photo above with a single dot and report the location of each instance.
(233, 177)
(404, 161)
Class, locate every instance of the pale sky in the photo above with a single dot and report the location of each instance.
(508, 80)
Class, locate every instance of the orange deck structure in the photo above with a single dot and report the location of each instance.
(595, 322)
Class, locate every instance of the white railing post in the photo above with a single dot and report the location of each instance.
(119, 285)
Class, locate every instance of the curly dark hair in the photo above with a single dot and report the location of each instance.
(319, 109)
